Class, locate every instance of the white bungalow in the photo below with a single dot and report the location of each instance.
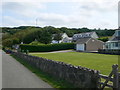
(65, 38)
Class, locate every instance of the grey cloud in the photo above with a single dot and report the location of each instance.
(100, 7)
(82, 16)
(12, 6)
(119, 14)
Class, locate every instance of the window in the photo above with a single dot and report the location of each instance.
(116, 44)
(118, 33)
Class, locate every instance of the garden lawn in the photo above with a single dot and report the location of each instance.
(101, 62)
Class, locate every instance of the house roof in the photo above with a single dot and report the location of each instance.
(82, 40)
(85, 40)
(84, 35)
(87, 32)
(116, 39)
(61, 34)
(116, 36)
(56, 34)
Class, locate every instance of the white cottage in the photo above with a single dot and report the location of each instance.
(65, 38)
(114, 42)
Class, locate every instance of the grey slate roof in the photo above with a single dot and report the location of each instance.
(83, 35)
(56, 34)
(115, 37)
(87, 32)
(82, 40)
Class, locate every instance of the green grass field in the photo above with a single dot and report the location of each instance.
(101, 62)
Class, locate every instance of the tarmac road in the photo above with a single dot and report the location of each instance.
(15, 75)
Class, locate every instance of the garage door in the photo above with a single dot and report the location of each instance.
(80, 47)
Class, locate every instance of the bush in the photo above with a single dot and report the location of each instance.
(35, 43)
(104, 39)
(47, 47)
(109, 51)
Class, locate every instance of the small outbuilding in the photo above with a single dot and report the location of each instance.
(89, 44)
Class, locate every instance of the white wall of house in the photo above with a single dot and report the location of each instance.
(80, 47)
(65, 39)
(54, 41)
(64, 35)
(94, 35)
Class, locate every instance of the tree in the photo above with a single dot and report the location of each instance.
(57, 37)
(31, 36)
(50, 29)
(15, 41)
(44, 37)
(5, 36)
(7, 42)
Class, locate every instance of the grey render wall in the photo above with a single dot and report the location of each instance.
(78, 76)
(94, 45)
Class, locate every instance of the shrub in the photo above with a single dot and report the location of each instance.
(35, 43)
(104, 39)
(109, 51)
(47, 47)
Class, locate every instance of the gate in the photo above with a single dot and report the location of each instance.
(114, 77)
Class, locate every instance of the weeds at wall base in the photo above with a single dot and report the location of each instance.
(54, 82)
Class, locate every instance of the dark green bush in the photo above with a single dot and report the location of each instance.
(47, 47)
(109, 51)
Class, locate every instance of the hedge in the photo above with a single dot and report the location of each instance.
(47, 47)
(109, 51)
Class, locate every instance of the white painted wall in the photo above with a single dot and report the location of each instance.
(94, 35)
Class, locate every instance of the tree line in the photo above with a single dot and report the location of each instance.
(28, 34)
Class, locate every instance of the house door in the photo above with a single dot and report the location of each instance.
(80, 47)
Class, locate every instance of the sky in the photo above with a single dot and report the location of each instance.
(60, 13)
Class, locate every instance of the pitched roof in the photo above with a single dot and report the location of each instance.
(116, 36)
(87, 32)
(82, 40)
(56, 34)
(84, 35)
(115, 39)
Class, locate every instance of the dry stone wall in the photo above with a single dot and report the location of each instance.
(78, 76)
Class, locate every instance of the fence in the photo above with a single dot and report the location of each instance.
(115, 79)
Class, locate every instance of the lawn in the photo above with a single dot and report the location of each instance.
(101, 62)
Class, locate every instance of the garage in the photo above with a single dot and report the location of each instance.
(88, 44)
(80, 47)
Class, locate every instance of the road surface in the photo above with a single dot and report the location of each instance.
(15, 75)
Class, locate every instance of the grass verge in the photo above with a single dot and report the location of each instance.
(54, 82)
